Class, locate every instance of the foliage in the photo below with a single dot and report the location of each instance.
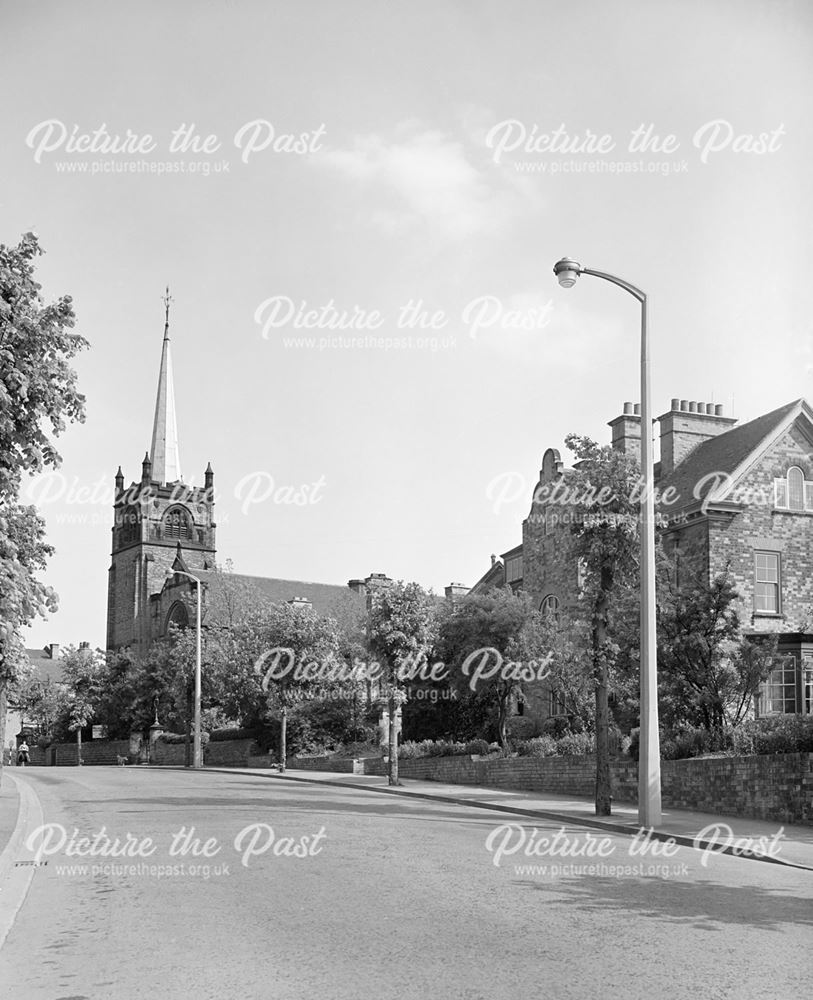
(709, 673)
(37, 383)
(401, 633)
(37, 391)
(567, 745)
(83, 671)
(606, 531)
(23, 553)
(279, 640)
(497, 627)
(234, 733)
(773, 734)
(42, 703)
(455, 714)
(325, 724)
(538, 746)
(174, 739)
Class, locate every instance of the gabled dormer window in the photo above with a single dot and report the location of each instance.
(793, 491)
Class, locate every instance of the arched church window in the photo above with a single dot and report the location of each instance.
(177, 524)
(178, 615)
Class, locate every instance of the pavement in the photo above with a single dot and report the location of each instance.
(741, 836)
(9, 805)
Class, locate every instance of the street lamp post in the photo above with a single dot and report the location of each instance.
(197, 761)
(567, 271)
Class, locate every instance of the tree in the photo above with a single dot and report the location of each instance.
(37, 383)
(490, 642)
(23, 553)
(400, 635)
(37, 391)
(288, 646)
(42, 703)
(607, 540)
(709, 672)
(83, 677)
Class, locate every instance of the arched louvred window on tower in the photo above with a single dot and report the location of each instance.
(178, 615)
(177, 524)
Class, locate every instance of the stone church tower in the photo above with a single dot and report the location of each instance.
(160, 523)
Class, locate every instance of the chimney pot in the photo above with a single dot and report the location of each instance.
(684, 405)
(718, 410)
(710, 408)
(637, 409)
(693, 406)
(627, 408)
(675, 404)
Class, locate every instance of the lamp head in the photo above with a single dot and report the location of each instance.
(567, 271)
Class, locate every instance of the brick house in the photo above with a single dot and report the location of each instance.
(736, 496)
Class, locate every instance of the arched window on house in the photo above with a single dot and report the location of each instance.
(550, 606)
(793, 491)
(177, 524)
(796, 488)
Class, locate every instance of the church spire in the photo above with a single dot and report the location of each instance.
(164, 453)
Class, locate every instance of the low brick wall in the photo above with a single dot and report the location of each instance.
(94, 752)
(224, 753)
(344, 765)
(777, 787)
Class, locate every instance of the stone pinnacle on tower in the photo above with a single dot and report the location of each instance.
(164, 451)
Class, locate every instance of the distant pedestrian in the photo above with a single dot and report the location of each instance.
(22, 755)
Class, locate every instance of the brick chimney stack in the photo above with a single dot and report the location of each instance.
(685, 426)
(627, 430)
(456, 590)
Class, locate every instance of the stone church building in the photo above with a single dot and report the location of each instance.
(164, 529)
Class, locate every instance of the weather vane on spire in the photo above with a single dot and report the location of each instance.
(167, 299)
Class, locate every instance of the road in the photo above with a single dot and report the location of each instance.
(392, 898)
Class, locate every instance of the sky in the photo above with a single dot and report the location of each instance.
(357, 206)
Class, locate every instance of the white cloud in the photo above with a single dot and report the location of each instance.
(421, 176)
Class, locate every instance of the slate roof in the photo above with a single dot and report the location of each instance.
(723, 453)
(494, 576)
(323, 596)
(44, 667)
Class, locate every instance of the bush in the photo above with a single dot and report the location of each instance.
(781, 734)
(409, 749)
(539, 746)
(234, 733)
(521, 727)
(576, 744)
(560, 725)
(175, 738)
(568, 745)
